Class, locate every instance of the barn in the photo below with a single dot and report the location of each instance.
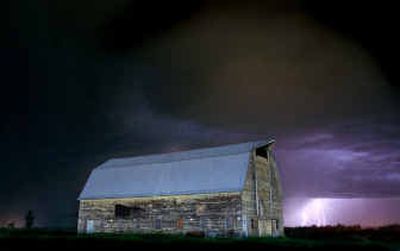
(231, 190)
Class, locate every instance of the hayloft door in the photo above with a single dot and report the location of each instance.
(262, 227)
(89, 226)
(274, 227)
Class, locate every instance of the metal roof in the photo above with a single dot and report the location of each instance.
(207, 170)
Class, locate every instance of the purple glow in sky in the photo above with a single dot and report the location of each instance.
(360, 159)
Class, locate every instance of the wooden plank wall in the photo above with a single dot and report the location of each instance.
(212, 214)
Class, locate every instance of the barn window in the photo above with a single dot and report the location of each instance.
(262, 152)
(274, 226)
(158, 224)
(179, 223)
(229, 222)
(253, 224)
(122, 211)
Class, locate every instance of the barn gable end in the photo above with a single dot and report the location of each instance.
(262, 196)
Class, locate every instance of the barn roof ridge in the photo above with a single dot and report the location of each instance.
(169, 161)
(199, 153)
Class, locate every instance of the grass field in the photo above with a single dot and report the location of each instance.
(334, 238)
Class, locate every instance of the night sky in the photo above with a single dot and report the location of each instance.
(84, 81)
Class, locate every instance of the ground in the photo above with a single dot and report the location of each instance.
(312, 238)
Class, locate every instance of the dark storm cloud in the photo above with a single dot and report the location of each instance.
(226, 63)
(372, 25)
(133, 25)
(355, 158)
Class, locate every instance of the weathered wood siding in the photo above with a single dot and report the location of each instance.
(249, 213)
(276, 195)
(262, 198)
(213, 214)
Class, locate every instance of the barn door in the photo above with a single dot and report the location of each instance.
(89, 226)
(274, 228)
(262, 227)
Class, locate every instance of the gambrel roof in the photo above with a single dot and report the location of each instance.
(207, 170)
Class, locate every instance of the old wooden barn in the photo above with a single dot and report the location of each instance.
(231, 190)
